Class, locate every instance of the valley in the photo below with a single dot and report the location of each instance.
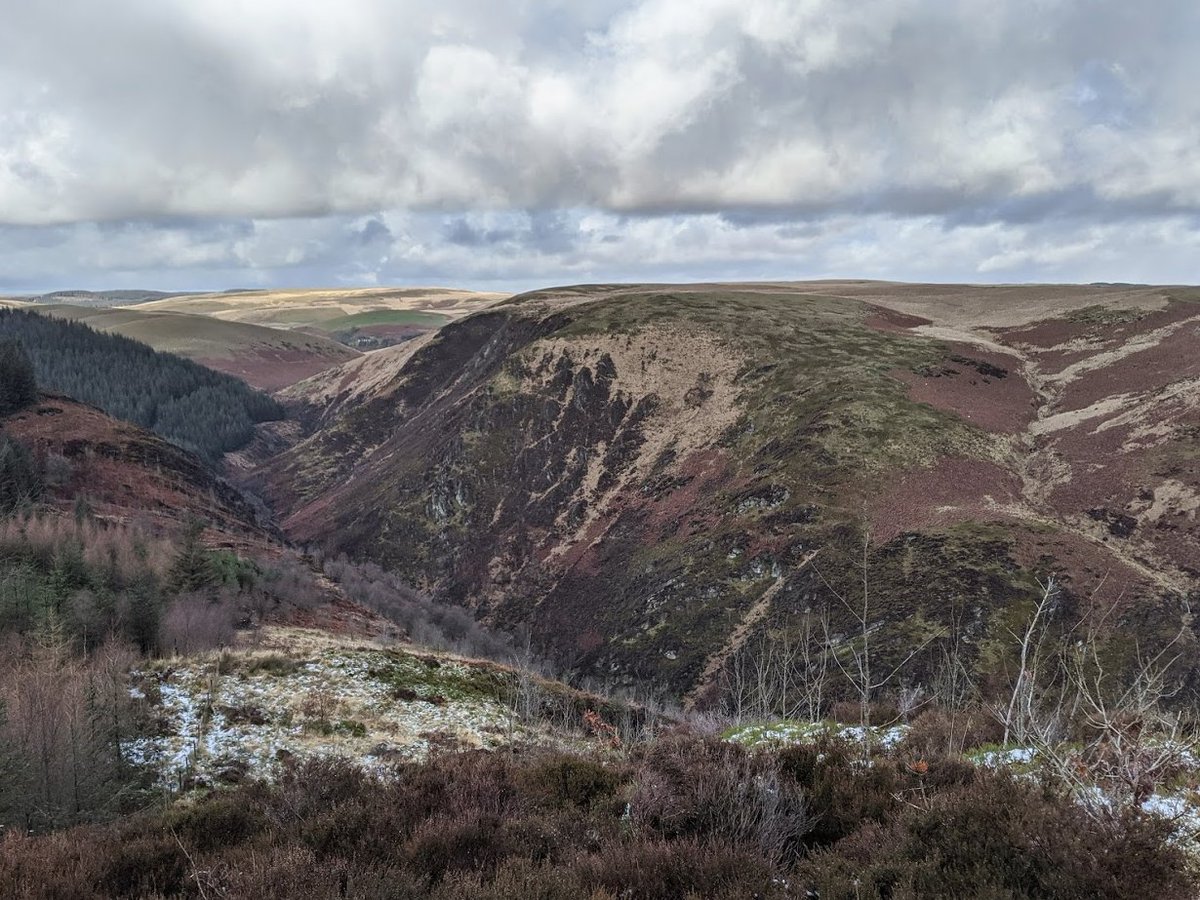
(634, 472)
(863, 541)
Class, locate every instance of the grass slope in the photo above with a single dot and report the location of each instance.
(317, 308)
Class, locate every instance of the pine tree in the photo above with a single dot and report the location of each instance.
(196, 408)
(144, 614)
(20, 480)
(193, 568)
(18, 386)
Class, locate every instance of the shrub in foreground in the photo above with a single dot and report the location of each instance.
(680, 818)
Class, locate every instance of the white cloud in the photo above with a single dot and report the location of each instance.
(519, 250)
(274, 107)
(666, 119)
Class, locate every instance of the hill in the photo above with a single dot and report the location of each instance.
(205, 411)
(126, 474)
(266, 358)
(98, 298)
(325, 395)
(753, 496)
(364, 318)
(656, 479)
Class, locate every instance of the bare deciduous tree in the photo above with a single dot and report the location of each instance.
(1112, 737)
(784, 675)
(862, 668)
(1019, 714)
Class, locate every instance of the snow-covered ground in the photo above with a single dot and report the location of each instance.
(780, 734)
(372, 705)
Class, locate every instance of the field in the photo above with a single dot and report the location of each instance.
(328, 310)
(274, 339)
(386, 317)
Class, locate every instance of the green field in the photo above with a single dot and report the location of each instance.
(385, 317)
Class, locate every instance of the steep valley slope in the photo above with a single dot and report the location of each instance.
(652, 478)
(125, 474)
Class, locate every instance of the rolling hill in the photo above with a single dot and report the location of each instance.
(266, 358)
(270, 339)
(366, 318)
(99, 299)
(652, 478)
(683, 488)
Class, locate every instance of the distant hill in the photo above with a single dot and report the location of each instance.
(266, 358)
(99, 298)
(197, 408)
(361, 318)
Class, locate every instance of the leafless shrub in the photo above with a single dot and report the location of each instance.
(782, 675)
(687, 786)
(197, 622)
(319, 704)
(437, 625)
(1112, 737)
(855, 658)
(290, 581)
(910, 699)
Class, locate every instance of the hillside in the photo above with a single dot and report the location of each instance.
(326, 395)
(266, 358)
(202, 410)
(655, 478)
(671, 490)
(365, 318)
(127, 474)
(98, 299)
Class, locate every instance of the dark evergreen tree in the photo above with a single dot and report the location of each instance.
(193, 569)
(18, 385)
(197, 408)
(143, 614)
(20, 480)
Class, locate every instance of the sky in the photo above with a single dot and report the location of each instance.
(509, 144)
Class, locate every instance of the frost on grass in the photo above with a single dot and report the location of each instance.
(1006, 756)
(781, 734)
(246, 712)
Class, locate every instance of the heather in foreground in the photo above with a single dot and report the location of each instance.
(680, 816)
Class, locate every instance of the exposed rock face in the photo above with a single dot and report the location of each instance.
(643, 476)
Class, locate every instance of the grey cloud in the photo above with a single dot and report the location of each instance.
(374, 231)
(582, 246)
(213, 143)
(463, 233)
(137, 109)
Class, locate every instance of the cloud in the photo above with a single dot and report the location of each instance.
(526, 249)
(510, 126)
